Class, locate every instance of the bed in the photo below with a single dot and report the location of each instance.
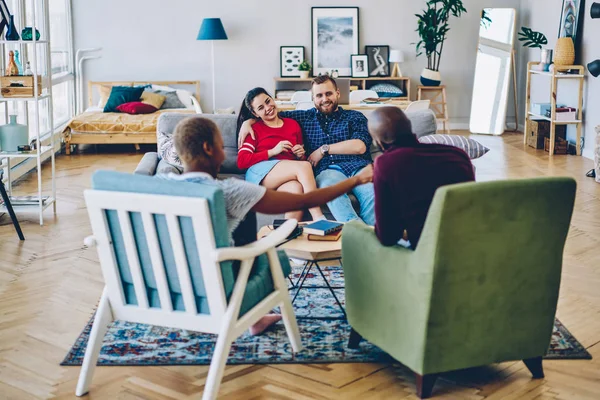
(97, 127)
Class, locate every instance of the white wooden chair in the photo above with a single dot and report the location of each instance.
(301, 95)
(183, 224)
(418, 105)
(356, 96)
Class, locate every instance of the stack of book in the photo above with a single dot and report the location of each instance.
(324, 230)
(27, 200)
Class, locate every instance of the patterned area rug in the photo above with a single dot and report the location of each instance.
(324, 340)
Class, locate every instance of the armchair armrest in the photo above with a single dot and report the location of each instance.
(147, 165)
(257, 248)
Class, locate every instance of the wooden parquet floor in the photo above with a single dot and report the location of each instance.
(50, 284)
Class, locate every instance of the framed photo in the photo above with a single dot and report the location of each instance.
(378, 60)
(569, 19)
(360, 65)
(290, 58)
(334, 39)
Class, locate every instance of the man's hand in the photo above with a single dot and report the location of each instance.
(282, 146)
(245, 130)
(365, 175)
(298, 151)
(315, 157)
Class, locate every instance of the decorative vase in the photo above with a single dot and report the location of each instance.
(18, 62)
(26, 34)
(11, 33)
(545, 59)
(565, 52)
(13, 135)
(12, 69)
(304, 74)
(430, 78)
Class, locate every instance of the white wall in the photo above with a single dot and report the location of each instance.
(155, 40)
(544, 16)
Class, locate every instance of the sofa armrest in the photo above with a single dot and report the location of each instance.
(147, 165)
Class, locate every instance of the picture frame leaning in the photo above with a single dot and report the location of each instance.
(290, 57)
(360, 65)
(334, 39)
(379, 56)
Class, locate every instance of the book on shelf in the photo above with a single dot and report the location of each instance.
(332, 237)
(27, 200)
(323, 227)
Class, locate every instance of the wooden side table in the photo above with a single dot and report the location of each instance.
(437, 96)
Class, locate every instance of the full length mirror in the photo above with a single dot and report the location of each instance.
(493, 70)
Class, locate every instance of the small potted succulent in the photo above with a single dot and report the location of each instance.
(304, 69)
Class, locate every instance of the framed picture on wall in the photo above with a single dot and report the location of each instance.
(334, 39)
(378, 60)
(360, 65)
(290, 57)
(569, 19)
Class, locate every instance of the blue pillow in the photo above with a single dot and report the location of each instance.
(387, 90)
(121, 95)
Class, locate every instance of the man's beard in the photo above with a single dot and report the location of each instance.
(334, 106)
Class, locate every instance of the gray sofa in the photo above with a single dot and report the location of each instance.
(165, 160)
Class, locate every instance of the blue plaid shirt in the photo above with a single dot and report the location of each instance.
(341, 125)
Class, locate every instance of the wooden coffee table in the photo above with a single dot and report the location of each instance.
(312, 253)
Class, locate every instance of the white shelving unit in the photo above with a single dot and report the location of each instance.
(554, 78)
(33, 53)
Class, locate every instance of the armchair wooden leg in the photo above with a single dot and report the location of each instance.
(10, 210)
(535, 367)
(354, 340)
(425, 385)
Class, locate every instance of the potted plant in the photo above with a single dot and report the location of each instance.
(304, 69)
(432, 28)
(535, 40)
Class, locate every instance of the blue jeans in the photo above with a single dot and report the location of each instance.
(341, 208)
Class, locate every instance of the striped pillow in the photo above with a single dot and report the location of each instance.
(473, 148)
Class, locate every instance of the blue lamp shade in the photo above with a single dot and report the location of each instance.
(212, 29)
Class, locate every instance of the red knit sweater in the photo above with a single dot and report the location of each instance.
(256, 150)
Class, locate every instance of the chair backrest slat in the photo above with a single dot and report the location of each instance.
(183, 270)
(158, 266)
(133, 259)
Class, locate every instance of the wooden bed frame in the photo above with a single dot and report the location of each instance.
(73, 138)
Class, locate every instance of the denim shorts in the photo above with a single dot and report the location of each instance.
(257, 172)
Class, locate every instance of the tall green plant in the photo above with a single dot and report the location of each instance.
(432, 26)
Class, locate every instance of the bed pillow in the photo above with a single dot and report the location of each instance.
(120, 95)
(473, 148)
(136, 107)
(184, 96)
(171, 99)
(104, 92)
(153, 99)
(387, 90)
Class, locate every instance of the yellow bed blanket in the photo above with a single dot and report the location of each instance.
(102, 123)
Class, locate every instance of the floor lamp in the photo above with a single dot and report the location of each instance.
(212, 29)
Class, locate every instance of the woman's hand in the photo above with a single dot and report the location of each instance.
(315, 157)
(365, 175)
(245, 130)
(282, 146)
(298, 151)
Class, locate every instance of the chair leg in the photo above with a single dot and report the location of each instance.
(354, 340)
(535, 367)
(103, 318)
(217, 365)
(10, 210)
(290, 322)
(425, 385)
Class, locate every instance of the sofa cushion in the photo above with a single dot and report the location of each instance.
(473, 148)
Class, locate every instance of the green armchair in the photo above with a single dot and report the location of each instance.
(481, 286)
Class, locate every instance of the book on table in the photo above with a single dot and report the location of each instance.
(323, 227)
(332, 237)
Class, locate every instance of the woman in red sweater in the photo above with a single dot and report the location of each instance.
(276, 158)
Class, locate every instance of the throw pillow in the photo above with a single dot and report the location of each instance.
(153, 99)
(104, 92)
(184, 96)
(137, 107)
(473, 148)
(171, 100)
(387, 90)
(120, 95)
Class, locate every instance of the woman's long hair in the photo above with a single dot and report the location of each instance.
(246, 107)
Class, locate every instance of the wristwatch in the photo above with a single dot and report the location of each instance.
(325, 150)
